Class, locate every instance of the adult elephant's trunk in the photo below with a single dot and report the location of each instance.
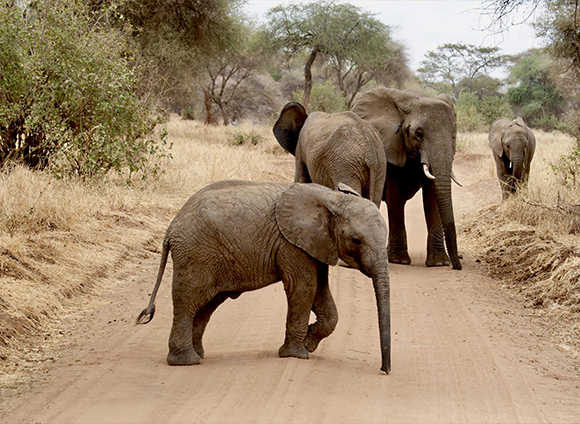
(381, 284)
(442, 184)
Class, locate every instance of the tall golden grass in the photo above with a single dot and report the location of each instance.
(63, 241)
(531, 242)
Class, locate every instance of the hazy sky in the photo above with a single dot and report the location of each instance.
(424, 25)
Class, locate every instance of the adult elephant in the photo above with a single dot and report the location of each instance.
(513, 145)
(418, 135)
(333, 148)
(237, 236)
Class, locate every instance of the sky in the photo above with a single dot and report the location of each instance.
(422, 26)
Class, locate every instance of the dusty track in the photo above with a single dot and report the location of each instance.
(462, 353)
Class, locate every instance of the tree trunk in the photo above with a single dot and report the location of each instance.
(308, 77)
(209, 118)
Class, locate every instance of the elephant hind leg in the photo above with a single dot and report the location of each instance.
(202, 318)
(325, 310)
(189, 298)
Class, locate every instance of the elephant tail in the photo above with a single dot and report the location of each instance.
(147, 314)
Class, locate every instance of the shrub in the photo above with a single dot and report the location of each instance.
(69, 93)
(240, 138)
(324, 97)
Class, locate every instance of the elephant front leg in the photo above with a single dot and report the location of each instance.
(436, 254)
(300, 291)
(325, 310)
(397, 248)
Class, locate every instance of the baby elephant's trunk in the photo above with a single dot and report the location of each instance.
(381, 284)
(147, 314)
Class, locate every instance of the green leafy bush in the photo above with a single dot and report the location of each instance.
(325, 97)
(567, 170)
(241, 138)
(69, 93)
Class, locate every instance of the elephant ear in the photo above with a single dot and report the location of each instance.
(386, 109)
(287, 127)
(530, 148)
(496, 133)
(304, 220)
(520, 122)
(345, 188)
(447, 100)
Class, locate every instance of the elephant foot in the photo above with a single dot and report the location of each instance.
(399, 257)
(287, 351)
(183, 356)
(437, 259)
(312, 340)
(198, 347)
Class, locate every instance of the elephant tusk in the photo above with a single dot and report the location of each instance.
(455, 180)
(427, 173)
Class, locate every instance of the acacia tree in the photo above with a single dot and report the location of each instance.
(354, 44)
(458, 66)
(229, 66)
(559, 25)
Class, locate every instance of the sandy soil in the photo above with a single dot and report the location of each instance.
(463, 353)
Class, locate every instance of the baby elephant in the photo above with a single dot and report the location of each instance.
(513, 145)
(236, 236)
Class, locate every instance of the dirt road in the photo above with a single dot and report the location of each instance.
(463, 353)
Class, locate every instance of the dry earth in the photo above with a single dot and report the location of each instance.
(464, 352)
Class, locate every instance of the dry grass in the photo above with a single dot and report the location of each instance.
(62, 242)
(531, 242)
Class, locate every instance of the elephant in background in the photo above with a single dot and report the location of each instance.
(237, 236)
(512, 144)
(418, 134)
(332, 149)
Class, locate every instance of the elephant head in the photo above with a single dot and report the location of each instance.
(516, 141)
(422, 129)
(328, 225)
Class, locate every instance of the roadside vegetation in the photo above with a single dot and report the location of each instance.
(114, 112)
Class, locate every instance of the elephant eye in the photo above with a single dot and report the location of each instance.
(419, 133)
(356, 241)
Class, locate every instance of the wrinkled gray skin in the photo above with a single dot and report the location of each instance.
(416, 131)
(332, 149)
(512, 144)
(236, 236)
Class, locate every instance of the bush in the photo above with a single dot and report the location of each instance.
(567, 170)
(69, 93)
(324, 97)
(241, 138)
(475, 114)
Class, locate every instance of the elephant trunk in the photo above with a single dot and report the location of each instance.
(381, 284)
(518, 166)
(445, 205)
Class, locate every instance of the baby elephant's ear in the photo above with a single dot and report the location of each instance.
(304, 220)
(345, 188)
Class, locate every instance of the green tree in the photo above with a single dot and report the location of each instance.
(170, 37)
(69, 93)
(534, 95)
(457, 66)
(350, 40)
(325, 98)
